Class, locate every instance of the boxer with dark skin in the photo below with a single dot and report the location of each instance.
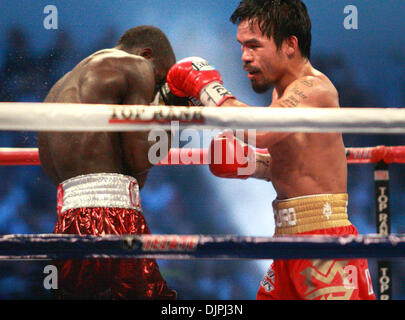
(100, 173)
(113, 76)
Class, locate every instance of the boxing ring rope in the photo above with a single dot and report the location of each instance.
(19, 116)
(182, 247)
(391, 154)
(119, 118)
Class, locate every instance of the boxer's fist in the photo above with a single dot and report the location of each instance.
(190, 75)
(166, 98)
(195, 77)
(232, 158)
(229, 157)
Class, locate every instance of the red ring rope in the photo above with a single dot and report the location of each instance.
(187, 156)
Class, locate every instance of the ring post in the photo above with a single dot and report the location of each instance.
(383, 219)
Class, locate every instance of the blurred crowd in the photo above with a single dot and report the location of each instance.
(172, 196)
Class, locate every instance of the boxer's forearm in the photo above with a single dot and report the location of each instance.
(234, 103)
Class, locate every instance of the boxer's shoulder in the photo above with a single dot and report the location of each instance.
(121, 61)
(314, 90)
(114, 73)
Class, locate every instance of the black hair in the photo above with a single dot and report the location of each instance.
(279, 19)
(148, 37)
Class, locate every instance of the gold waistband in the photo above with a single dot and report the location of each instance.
(309, 213)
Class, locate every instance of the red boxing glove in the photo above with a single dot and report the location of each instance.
(195, 77)
(232, 158)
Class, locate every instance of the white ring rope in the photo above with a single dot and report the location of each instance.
(17, 116)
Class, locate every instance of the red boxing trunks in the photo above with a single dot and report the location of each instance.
(303, 279)
(100, 204)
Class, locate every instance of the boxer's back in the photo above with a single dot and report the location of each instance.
(68, 154)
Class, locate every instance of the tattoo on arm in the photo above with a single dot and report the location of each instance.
(289, 102)
(297, 92)
(308, 83)
(294, 99)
